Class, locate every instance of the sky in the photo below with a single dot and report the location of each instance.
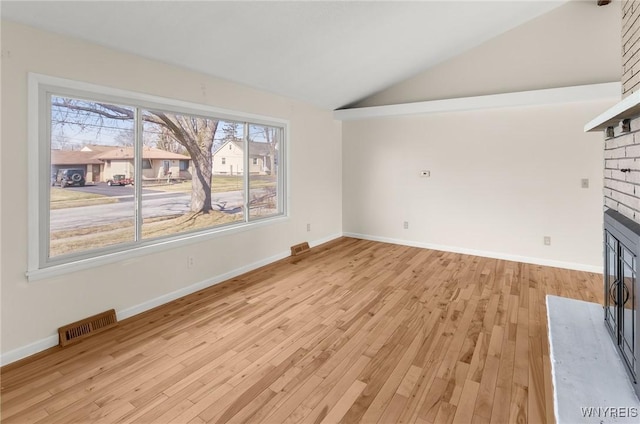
(71, 129)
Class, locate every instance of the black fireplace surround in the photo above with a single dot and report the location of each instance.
(621, 296)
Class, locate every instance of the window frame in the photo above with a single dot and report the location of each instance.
(40, 88)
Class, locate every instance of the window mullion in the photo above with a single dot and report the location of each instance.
(245, 174)
(137, 172)
(44, 157)
(280, 158)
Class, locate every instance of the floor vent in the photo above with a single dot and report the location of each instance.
(299, 249)
(84, 328)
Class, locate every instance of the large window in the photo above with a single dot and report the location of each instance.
(115, 172)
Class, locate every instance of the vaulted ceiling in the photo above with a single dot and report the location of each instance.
(328, 53)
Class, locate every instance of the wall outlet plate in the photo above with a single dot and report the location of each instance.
(425, 173)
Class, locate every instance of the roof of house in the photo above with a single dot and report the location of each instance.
(255, 148)
(147, 153)
(73, 157)
(96, 148)
(98, 154)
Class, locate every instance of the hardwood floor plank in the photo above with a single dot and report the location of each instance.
(342, 406)
(446, 414)
(518, 404)
(354, 331)
(138, 412)
(337, 391)
(464, 410)
(292, 402)
(388, 389)
(484, 401)
(393, 410)
(501, 405)
(409, 381)
(455, 385)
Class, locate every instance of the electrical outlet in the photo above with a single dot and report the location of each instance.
(584, 183)
(547, 241)
(191, 261)
(425, 173)
(406, 225)
(308, 227)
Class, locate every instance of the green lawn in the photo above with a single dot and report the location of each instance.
(220, 183)
(82, 239)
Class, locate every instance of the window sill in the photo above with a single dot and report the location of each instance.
(153, 247)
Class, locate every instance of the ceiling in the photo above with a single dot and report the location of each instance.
(328, 53)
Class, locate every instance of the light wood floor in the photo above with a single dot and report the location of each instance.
(355, 331)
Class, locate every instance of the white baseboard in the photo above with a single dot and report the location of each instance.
(28, 350)
(324, 240)
(483, 253)
(51, 341)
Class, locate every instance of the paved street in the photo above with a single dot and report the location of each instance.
(154, 204)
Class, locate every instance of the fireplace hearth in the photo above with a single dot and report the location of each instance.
(621, 295)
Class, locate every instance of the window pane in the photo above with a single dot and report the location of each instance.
(179, 194)
(228, 170)
(91, 148)
(264, 153)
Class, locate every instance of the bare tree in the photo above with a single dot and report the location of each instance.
(125, 138)
(271, 138)
(195, 134)
(162, 138)
(231, 131)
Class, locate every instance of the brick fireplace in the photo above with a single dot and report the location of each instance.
(620, 126)
(622, 138)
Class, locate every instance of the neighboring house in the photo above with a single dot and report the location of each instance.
(84, 158)
(101, 163)
(156, 163)
(228, 159)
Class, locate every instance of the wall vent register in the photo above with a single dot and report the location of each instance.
(84, 328)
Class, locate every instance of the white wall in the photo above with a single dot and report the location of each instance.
(32, 311)
(575, 44)
(501, 180)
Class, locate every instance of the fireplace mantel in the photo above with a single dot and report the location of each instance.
(627, 109)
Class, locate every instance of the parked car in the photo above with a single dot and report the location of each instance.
(119, 179)
(70, 177)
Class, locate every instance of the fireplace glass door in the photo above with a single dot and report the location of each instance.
(627, 309)
(611, 284)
